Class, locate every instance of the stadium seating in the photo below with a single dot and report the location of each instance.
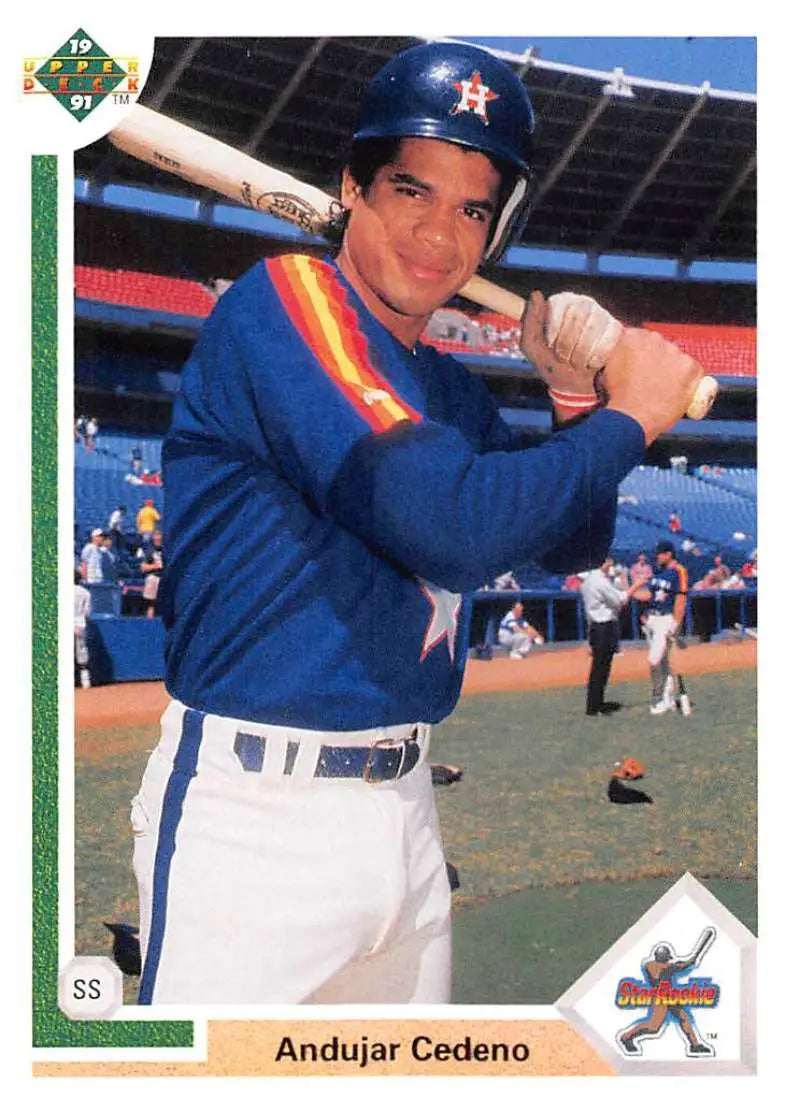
(146, 291)
(104, 480)
(722, 349)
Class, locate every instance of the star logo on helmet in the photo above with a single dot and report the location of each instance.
(474, 96)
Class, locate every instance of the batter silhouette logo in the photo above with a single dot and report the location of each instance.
(80, 75)
(670, 1003)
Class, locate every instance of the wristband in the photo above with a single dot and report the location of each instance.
(578, 403)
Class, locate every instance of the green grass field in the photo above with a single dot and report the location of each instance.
(551, 872)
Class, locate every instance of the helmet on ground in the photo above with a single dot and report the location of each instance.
(459, 94)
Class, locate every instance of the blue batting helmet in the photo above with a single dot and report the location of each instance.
(460, 94)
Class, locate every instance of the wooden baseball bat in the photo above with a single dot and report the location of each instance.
(199, 158)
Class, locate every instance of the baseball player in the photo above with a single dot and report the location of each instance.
(665, 596)
(517, 634)
(334, 491)
(82, 609)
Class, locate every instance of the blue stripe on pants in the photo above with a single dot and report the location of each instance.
(184, 768)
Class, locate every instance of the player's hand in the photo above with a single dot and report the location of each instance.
(568, 338)
(651, 380)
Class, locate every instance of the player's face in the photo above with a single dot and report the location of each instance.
(663, 559)
(419, 232)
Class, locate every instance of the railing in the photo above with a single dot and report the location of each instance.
(560, 615)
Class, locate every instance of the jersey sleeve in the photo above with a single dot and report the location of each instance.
(421, 492)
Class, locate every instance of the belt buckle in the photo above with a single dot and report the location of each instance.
(382, 744)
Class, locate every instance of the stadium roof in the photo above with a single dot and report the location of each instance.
(623, 164)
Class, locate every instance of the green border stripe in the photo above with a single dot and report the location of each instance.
(51, 1028)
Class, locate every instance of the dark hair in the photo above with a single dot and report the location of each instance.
(367, 156)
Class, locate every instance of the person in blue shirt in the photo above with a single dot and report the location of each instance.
(334, 492)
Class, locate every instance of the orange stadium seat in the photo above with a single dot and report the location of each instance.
(722, 349)
(143, 291)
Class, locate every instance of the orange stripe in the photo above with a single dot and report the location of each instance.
(315, 303)
(357, 374)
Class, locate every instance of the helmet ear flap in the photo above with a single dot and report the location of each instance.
(511, 220)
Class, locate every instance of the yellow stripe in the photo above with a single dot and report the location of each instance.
(344, 365)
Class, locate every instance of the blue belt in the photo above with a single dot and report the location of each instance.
(384, 760)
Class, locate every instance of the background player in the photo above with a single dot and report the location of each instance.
(332, 486)
(665, 596)
(517, 634)
(82, 609)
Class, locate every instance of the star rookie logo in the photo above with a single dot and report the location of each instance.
(670, 1003)
(474, 96)
(80, 75)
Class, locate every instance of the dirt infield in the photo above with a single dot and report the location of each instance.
(137, 704)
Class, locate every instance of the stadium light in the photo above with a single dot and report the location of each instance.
(619, 86)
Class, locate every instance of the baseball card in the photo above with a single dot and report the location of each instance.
(394, 525)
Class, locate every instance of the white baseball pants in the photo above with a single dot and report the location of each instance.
(660, 633)
(515, 642)
(267, 887)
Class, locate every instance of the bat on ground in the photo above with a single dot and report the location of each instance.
(205, 161)
(684, 702)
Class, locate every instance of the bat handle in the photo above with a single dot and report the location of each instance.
(493, 297)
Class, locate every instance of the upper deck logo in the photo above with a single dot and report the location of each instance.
(80, 75)
(670, 1003)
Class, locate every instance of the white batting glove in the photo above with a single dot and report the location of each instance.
(580, 331)
(569, 339)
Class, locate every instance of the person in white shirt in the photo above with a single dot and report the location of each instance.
(82, 610)
(602, 603)
(92, 559)
(516, 634)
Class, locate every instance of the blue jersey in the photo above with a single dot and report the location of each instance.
(330, 496)
(664, 585)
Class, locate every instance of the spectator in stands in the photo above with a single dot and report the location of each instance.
(82, 611)
(92, 429)
(572, 582)
(719, 572)
(136, 459)
(516, 634)
(506, 582)
(602, 603)
(108, 559)
(674, 522)
(641, 570)
(152, 566)
(750, 567)
(146, 521)
(116, 526)
(734, 583)
(92, 559)
(715, 577)
(79, 429)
